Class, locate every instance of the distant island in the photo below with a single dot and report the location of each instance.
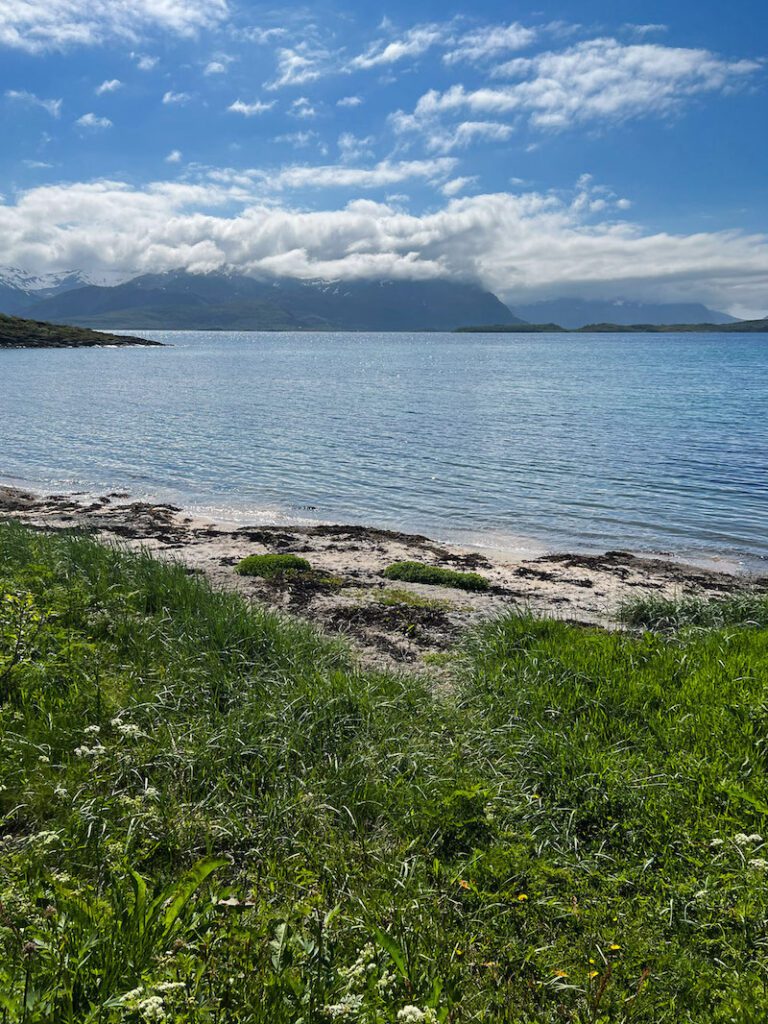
(738, 327)
(17, 333)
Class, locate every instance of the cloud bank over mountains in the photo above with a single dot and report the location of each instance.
(528, 244)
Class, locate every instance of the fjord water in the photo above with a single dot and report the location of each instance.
(644, 442)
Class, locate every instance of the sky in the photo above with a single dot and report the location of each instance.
(594, 149)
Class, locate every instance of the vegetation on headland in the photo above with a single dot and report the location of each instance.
(739, 327)
(434, 575)
(17, 333)
(209, 814)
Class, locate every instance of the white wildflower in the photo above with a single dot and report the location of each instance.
(365, 964)
(92, 730)
(169, 986)
(347, 1008)
(150, 793)
(413, 1015)
(755, 838)
(43, 759)
(93, 752)
(131, 999)
(758, 864)
(715, 843)
(741, 839)
(386, 984)
(128, 730)
(152, 1008)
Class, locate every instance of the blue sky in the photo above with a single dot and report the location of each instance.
(599, 149)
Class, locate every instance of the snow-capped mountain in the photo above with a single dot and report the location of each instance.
(20, 289)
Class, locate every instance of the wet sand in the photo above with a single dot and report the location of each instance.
(389, 623)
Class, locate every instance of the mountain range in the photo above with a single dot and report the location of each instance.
(573, 312)
(180, 300)
(229, 301)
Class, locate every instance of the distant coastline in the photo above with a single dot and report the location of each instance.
(739, 327)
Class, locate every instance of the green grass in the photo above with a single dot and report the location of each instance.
(207, 812)
(658, 613)
(417, 572)
(272, 566)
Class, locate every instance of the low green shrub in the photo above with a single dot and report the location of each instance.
(270, 566)
(416, 572)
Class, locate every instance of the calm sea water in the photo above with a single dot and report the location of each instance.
(650, 442)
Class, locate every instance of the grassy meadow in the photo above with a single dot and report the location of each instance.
(210, 814)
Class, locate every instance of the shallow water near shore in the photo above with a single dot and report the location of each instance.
(644, 442)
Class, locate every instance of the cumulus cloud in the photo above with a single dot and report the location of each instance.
(301, 107)
(381, 175)
(261, 36)
(354, 147)
(29, 99)
(467, 133)
(457, 185)
(299, 140)
(109, 86)
(179, 98)
(250, 109)
(528, 245)
(93, 122)
(299, 65)
(174, 157)
(38, 26)
(412, 44)
(489, 42)
(144, 62)
(349, 101)
(601, 80)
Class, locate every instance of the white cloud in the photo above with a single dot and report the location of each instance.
(29, 99)
(467, 133)
(645, 30)
(261, 36)
(180, 98)
(42, 25)
(92, 121)
(354, 147)
(455, 185)
(349, 101)
(144, 62)
(250, 109)
(412, 44)
(600, 80)
(528, 245)
(215, 67)
(109, 86)
(299, 65)
(174, 157)
(301, 107)
(489, 42)
(299, 140)
(382, 175)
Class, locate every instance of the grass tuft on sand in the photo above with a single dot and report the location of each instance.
(417, 572)
(208, 813)
(271, 566)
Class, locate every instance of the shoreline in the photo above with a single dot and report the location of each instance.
(389, 623)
